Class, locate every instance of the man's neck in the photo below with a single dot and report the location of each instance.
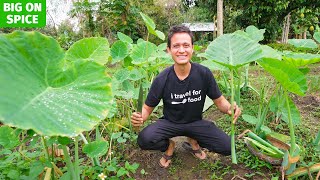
(182, 71)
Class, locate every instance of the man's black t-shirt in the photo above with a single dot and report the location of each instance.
(183, 100)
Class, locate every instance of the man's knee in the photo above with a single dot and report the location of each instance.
(226, 147)
(223, 148)
(145, 139)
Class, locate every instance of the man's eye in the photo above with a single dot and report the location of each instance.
(175, 46)
(186, 45)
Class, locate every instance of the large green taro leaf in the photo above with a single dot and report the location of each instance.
(151, 26)
(40, 90)
(142, 51)
(269, 52)
(255, 33)
(213, 66)
(303, 43)
(124, 38)
(91, 49)
(301, 59)
(316, 36)
(119, 51)
(289, 76)
(233, 50)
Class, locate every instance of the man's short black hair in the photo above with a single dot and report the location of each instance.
(178, 29)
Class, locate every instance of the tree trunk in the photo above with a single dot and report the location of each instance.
(285, 30)
(219, 17)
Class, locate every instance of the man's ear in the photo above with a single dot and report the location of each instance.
(168, 49)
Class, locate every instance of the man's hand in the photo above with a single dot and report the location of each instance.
(237, 112)
(136, 119)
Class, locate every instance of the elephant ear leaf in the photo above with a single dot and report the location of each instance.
(301, 59)
(90, 49)
(43, 91)
(316, 36)
(233, 50)
(303, 43)
(286, 74)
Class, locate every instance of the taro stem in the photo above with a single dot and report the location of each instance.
(317, 139)
(233, 146)
(76, 158)
(68, 162)
(292, 136)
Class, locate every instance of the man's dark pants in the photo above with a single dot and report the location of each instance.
(156, 135)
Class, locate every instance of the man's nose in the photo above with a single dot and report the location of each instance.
(181, 49)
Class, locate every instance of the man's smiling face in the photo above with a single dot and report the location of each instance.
(181, 48)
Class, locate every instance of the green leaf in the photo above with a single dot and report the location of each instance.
(162, 47)
(35, 169)
(135, 75)
(121, 140)
(13, 174)
(303, 43)
(124, 38)
(119, 51)
(96, 148)
(269, 52)
(7, 137)
(255, 33)
(113, 109)
(250, 119)
(132, 168)
(233, 50)
(253, 120)
(127, 86)
(121, 75)
(91, 49)
(316, 36)
(289, 76)
(40, 93)
(213, 66)
(125, 94)
(122, 171)
(142, 51)
(301, 59)
(151, 26)
(64, 140)
(116, 135)
(111, 168)
(160, 35)
(282, 109)
(66, 176)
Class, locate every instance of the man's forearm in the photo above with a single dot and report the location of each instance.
(222, 104)
(146, 111)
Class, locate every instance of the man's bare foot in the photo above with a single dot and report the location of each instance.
(166, 158)
(195, 146)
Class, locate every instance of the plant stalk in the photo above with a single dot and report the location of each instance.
(45, 147)
(233, 146)
(68, 161)
(52, 159)
(317, 139)
(76, 158)
(291, 128)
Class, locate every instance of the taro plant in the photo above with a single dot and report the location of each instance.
(136, 63)
(292, 80)
(233, 51)
(52, 92)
